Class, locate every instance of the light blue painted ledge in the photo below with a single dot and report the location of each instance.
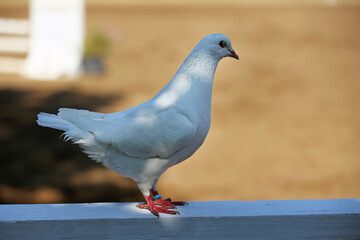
(276, 219)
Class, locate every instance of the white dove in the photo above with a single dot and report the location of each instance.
(144, 141)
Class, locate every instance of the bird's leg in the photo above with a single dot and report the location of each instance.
(165, 202)
(154, 203)
(154, 208)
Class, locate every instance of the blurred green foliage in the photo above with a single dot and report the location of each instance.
(97, 45)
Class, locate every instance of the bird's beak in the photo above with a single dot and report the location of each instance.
(233, 54)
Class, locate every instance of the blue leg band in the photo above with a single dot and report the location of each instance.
(156, 197)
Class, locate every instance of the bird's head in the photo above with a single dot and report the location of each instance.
(218, 45)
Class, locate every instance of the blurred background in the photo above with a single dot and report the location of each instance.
(285, 118)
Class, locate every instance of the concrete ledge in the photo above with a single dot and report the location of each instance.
(278, 219)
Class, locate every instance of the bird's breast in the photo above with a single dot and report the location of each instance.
(202, 123)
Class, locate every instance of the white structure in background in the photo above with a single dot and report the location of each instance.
(14, 41)
(56, 39)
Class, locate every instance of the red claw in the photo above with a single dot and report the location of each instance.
(160, 205)
(156, 208)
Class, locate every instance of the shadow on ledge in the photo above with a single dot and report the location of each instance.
(37, 166)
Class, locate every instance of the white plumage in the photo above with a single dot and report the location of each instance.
(144, 141)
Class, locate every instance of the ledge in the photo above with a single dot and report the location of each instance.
(289, 219)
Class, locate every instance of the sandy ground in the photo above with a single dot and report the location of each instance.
(285, 118)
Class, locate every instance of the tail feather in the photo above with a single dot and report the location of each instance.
(53, 121)
(96, 150)
(71, 131)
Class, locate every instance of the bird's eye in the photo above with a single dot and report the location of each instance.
(222, 44)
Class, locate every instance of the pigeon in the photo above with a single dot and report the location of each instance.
(142, 142)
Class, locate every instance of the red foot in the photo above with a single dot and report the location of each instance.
(167, 202)
(156, 209)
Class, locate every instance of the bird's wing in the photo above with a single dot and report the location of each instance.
(142, 134)
(69, 112)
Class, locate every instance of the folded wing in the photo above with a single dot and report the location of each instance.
(142, 134)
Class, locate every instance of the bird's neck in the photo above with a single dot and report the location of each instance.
(200, 65)
(192, 84)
